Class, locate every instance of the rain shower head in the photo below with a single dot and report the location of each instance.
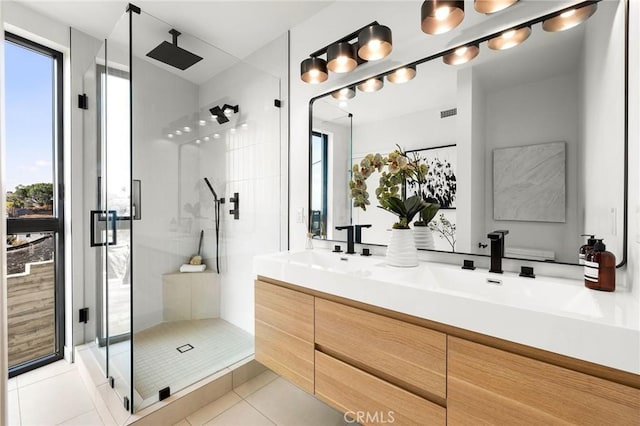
(171, 54)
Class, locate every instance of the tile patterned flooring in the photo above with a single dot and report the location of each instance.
(55, 395)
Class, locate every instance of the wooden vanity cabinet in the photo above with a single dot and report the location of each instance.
(382, 367)
(409, 356)
(284, 333)
(370, 400)
(491, 386)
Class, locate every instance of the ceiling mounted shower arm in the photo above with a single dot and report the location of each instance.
(174, 35)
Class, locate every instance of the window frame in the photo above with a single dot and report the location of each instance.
(55, 223)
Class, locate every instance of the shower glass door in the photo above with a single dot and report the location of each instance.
(111, 220)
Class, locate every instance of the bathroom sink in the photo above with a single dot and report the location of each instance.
(554, 314)
(334, 262)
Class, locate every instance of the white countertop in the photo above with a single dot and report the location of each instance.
(554, 314)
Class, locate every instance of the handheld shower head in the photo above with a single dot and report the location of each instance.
(215, 196)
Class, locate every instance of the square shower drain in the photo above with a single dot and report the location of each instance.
(184, 348)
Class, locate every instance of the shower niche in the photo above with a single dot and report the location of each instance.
(153, 139)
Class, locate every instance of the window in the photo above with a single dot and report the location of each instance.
(319, 177)
(34, 177)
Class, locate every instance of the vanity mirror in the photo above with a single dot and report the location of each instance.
(537, 133)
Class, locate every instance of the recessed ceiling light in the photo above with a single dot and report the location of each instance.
(216, 136)
(202, 122)
(197, 141)
(206, 138)
(186, 129)
(179, 132)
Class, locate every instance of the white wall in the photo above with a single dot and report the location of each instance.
(601, 169)
(546, 113)
(248, 162)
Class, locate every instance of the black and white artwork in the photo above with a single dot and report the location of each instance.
(441, 178)
(529, 183)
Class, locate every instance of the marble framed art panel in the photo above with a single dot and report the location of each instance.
(529, 183)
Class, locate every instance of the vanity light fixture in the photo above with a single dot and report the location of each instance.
(440, 16)
(461, 55)
(402, 75)
(370, 43)
(341, 57)
(569, 18)
(492, 6)
(509, 39)
(375, 42)
(371, 85)
(314, 70)
(344, 93)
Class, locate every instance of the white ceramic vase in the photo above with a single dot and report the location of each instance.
(423, 237)
(401, 250)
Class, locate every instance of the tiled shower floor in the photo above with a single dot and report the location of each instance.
(158, 363)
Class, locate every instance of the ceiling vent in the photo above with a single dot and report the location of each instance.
(448, 112)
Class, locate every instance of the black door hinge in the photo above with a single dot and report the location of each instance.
(125, 402)
(83, 315)
(164, 393)
(83, 101)
(277, 103)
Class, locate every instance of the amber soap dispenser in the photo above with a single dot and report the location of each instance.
(600, 268)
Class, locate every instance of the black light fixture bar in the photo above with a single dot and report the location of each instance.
(347, 38)
(475, 41)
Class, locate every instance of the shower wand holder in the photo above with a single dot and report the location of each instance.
(236, 206)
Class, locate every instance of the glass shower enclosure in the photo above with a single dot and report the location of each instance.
(187, 153)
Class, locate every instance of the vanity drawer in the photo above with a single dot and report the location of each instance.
(407, 355)
(370, 400)
(488, 385)
(284, 333)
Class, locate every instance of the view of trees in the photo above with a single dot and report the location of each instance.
(37, 196)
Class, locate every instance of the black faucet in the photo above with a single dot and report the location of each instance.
(359, 232)
(497, 249)
(350, 245)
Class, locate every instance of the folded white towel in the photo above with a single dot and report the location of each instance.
(192, 268)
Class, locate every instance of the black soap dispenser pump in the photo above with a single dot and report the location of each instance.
(586, 248)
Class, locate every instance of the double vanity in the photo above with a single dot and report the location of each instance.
(437, 344)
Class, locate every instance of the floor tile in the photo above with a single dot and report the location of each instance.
(285, 404)
(87, 419)
(113, 404)
(54, 400)
(13, 408)
(214, 409)
(258, 382)
(241, 414)
(51, 370)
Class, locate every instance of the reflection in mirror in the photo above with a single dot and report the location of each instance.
(539, 140)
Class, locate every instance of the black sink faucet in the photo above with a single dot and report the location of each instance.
(497, 249)
(359, 232)
(350, 245)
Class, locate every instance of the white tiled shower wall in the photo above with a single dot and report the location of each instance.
(247, 162)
